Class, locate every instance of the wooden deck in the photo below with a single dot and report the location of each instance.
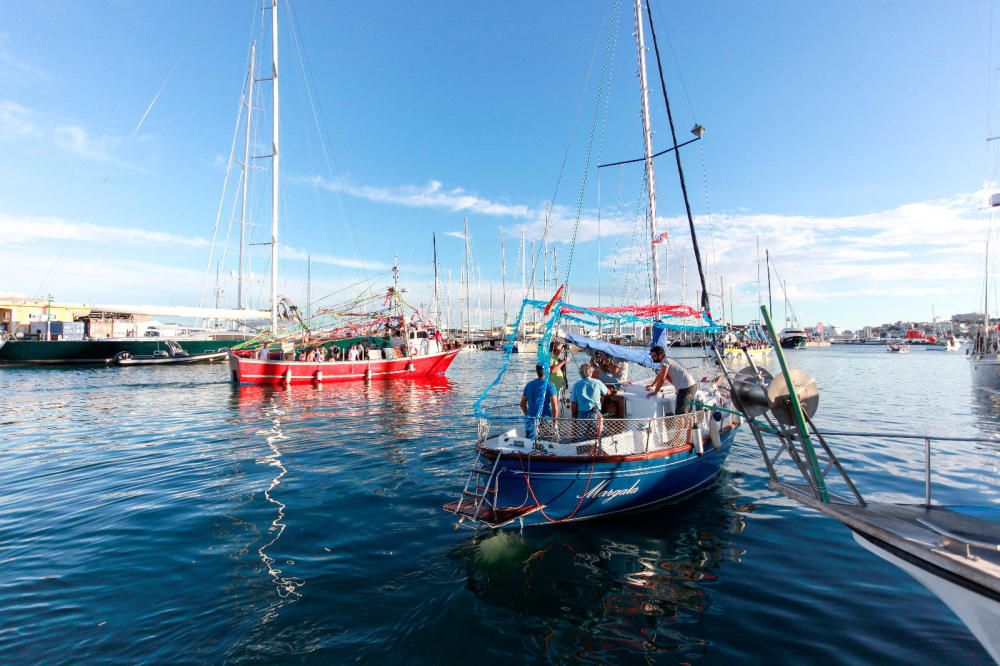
(490, 517)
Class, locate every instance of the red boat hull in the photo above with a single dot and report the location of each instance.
(284, 373)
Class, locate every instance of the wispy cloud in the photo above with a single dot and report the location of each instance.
(455, 234)
(18, 122)
(11, 65)
(431, 195)
(289, 252)
(19, 230)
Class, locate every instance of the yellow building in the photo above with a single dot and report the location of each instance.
(17, 314)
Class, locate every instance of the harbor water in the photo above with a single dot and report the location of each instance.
(163, 515)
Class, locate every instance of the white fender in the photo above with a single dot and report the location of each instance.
(715, 431)
(699, 446)
(288, 377)
(319, 376)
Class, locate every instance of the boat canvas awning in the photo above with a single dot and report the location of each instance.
(630, 354)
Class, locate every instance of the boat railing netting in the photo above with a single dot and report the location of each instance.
(651, 433)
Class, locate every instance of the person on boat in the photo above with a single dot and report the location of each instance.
(557, 367)
(611, 370)
(675, 373)
(538, 399)
(263, 353)
(588, 396)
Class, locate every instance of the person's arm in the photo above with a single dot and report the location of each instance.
(524, 404)
(657, 384)
(555, 407)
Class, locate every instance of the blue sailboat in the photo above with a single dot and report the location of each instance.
(534, 469)
(642, 449)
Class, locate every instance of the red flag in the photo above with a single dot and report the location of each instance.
(659, 239)
(548, 308)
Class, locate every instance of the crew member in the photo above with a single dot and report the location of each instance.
(675, 373)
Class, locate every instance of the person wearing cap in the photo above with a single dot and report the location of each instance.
(675, 373)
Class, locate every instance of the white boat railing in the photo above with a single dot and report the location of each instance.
(591, 435)
(927, 439)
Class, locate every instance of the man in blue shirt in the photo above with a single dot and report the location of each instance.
(588, 394)
(538, 399)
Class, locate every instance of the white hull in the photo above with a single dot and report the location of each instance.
(986, 371)
(979, 613)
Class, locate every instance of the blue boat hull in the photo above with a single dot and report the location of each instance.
(578, 488)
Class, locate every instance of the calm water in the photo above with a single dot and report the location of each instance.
(158, 515)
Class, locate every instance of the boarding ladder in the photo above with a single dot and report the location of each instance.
(477, 491)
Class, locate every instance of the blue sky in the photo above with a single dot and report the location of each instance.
(848, 137)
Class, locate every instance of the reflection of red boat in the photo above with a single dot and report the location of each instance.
(280, 372)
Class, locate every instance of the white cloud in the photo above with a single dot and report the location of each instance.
(288, 252)
(431, 195)
(455, 234)
(23, 229)
(78, 141)
(18, 122)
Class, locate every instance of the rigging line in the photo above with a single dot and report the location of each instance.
(680, 168)
(677, 65)
(101, 187)
(547, 218)
(603, 86)
(319, 118)
(222, 195)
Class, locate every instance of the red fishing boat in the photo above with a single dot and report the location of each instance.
(280, 372)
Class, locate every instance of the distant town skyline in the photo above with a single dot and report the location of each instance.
(846, 140)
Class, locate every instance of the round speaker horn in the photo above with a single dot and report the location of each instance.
(780, 401)
(750, 392)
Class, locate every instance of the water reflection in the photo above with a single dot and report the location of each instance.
(612, 589)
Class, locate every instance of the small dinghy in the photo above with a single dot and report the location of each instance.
(172, 355)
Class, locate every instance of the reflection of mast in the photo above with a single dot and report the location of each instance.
(286, 585)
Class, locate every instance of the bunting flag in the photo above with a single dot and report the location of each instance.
(548, 308)
(659, 239)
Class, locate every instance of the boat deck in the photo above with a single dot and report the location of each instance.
(961, 546)
(490, 517)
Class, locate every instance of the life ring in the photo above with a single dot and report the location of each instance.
(715, 429)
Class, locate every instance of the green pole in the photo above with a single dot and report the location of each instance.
(800, 421)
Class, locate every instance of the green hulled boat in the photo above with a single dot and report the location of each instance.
(78, 352)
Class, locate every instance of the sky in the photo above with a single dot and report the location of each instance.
(846, 139)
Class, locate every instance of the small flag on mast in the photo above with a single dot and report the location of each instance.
(659, 239)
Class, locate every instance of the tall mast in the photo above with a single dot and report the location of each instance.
(309, 285)
(647, 136)
(758, 274)
(767, 259)
(503, 275)
(274, 166)
(246, 176)
(437, 301)
(468, 285)
(524, 291)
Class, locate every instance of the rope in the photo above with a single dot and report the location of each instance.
(583, 495)
(609, 54)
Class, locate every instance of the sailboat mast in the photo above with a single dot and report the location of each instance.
(437, 300)
(503, 275)
(767, 258)
(246, 177)
(274, 166)
(647, 136)
(468, 285)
